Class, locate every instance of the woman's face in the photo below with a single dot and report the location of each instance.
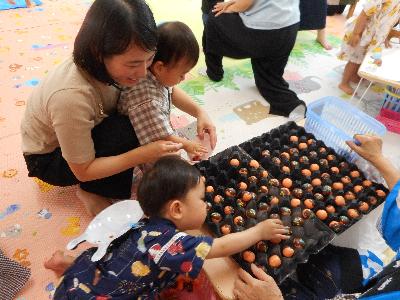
(127, 68)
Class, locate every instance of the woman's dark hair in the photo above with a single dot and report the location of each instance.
(109, 28)
(170, 178)
(176, 41)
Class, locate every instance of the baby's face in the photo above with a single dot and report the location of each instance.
(171, 75)
(194, 206)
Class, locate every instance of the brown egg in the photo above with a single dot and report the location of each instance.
(230, 192)
(293, 151)
(316, 182)
(297, 192)
(306, 172)
(216, 217)
(358, 188)
(249, 256)
(263, 189)
(286, 169)
(310, 141)
(349, 196)
(330, 209)
(242, 186)
(322, 214)
(262, 247)
(372, 200)
(285, 155)
(275, 240)
(285, 211)
(274, 200)
(243, 171)
(293, 138)
(264, 173)
(337, 186)
(254, 164)
(234, 162)
(252, 179)
(240, 203)
(251, 213)
(265, 153)
(346, 179)
(209, 189)
(263, 206)
(284, 191)
(339, 200)
(238, 220)
(309, 203)
(331, 157)
(218, 199)
(208, 206)
(303, 146)
(274, 182)
(366, 183)
(247, 196)
(228, 210)
(295, 202)
(274, 261)
(225, 229)
(314, 167)
(335, 170)
(354, 174)
(304, 159)
(288, 251)
(298, 243)
(287, 183)
(353, 213)
(380, 193)
(335, 226)
(274, 216)
(363, 206)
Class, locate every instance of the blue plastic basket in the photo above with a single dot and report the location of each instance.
(334, 121)
(392, 99)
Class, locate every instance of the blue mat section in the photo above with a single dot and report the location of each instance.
(4, 4)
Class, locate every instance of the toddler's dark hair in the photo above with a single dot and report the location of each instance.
(176, 41)
(170, 178)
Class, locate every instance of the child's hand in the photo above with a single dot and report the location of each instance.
(273, 229)
(195, 150)
(354, 39)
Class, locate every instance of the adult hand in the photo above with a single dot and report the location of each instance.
(223, 7)
(249, 288)
(155, 150)
(370, 147)
(204, 124)
(354, 40)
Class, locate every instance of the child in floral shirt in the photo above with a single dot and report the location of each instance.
(145, 260)
(364, 33)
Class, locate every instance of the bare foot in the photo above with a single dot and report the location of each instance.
(346, 88)
(93, 203)
(59, 262)
(324, 43)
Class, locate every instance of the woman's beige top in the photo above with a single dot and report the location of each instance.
(62, 111)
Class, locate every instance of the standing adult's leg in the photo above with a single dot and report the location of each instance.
(215, 69)
(268, 72)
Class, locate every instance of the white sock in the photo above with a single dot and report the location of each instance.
(298, 113)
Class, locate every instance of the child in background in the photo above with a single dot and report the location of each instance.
(364, 33)
(148, 103)
(147, 259)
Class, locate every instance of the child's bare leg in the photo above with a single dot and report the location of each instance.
(59, 262)
(350, 70)
(321, 38)
(94, 204)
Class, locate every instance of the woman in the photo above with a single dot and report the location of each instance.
(70, 131)
(265, 31)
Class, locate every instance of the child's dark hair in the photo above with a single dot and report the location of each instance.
(176, 41)
(109, 28)
(170, 178)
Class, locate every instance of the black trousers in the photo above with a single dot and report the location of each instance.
(114, 135)
(269, 51)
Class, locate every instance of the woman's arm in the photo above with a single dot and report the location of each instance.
(102, 167)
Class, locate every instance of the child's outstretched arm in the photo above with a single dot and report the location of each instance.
(359, 28)
(204, 124)
(239, 241)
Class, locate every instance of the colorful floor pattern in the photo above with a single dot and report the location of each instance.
(36, 218)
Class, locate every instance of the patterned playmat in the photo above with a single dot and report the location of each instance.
(36, 218)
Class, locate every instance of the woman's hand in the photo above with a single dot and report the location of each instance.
(155, 150)
(204, 124)
(249, 288)
(368, 147)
